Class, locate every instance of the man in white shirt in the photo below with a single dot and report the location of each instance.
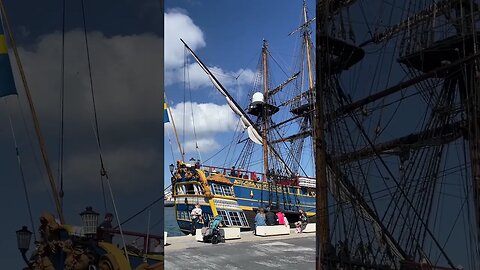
(196, 217)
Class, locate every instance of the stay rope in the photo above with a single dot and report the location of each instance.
(103, 172)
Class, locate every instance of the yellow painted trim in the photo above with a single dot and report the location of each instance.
(213, 207)
(204, 183)
(229, 208)
(225, 197)
(117, 254)
(207, 191)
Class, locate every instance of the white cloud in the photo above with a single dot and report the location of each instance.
(208, 118)
(205, 145)
(211, 122)
(179, 25)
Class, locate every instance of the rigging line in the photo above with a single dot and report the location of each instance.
(229, 145)
(117, 217)
(20, 167)
(171, 146)
(407, 200)
(103, 172)
(185, 71)
(453, 227)
(143, 209)
(30, 143)
(62, 105)
(193, 118)
(276, 62)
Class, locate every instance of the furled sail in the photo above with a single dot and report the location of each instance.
(245, 120)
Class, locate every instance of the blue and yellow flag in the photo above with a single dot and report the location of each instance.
(7, 84)
(165, 113)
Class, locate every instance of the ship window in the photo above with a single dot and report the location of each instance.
(217, 189)
(183, 215)
(225, 218)
(228, 191)
(243, 218)
(235, 218)
(180, 190)
(197, 189)
(190, 189)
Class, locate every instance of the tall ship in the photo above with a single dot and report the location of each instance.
(237, 191)
(397, 134)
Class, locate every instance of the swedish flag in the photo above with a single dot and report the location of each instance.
(7, 84)
(165, 113)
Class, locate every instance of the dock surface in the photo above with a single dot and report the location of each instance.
(294, 251)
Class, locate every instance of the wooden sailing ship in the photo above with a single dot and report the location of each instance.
(397, 134)
(283, 184)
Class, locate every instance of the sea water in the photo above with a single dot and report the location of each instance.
(171, 225)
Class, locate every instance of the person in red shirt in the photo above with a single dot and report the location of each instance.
(280, 218)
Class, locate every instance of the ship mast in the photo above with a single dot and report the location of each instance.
(306, 37)
(264, 111)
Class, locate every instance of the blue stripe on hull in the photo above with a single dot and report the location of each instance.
(288, 202)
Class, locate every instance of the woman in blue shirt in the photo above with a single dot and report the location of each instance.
(260, 218)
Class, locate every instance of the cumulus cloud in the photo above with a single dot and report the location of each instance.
(126, 74)
(210, 121)
(207, 118)
(179, 25)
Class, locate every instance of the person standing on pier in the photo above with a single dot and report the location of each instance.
(196, 217)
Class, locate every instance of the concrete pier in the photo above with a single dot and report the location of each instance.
(294, 251)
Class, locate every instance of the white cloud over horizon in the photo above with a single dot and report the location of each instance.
(209, 120)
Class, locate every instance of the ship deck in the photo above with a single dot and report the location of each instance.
(249, 252)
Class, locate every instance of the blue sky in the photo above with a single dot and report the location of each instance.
(227, 36)
(126, 43)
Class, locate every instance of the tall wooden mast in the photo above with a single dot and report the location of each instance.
(264, 115)
(307, 41)
(265, 94)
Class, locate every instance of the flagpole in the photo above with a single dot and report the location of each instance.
(41, 141)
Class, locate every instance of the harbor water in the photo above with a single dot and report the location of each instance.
(171, 225)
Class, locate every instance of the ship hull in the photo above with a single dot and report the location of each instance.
(250, 195)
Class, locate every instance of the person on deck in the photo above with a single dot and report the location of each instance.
(270, 217)
(106, 236)
(196, 217)
(260, 218)
(233, 172)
